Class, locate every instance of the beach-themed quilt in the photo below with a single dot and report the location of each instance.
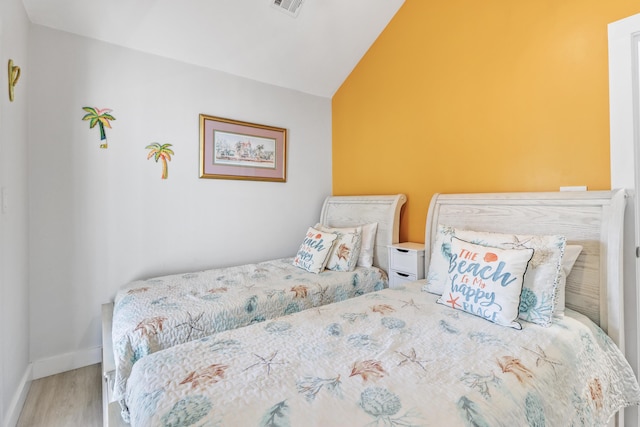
(387, 358)
(151, 315)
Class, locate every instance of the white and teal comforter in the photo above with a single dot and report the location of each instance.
(388, 358)
(151, 315)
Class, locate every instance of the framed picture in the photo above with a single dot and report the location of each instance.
(230, 149)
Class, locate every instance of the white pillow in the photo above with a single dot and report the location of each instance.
(346, 248)
(314, 251)
(571, 254)
(486, 281)
(365, 259)
(539, 292)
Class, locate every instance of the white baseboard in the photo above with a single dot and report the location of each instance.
(44, 368)
(66, 362)
(17, 402)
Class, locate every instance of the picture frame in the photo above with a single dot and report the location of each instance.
(232, 149)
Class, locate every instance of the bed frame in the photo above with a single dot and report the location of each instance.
(593, 219)
(350, 211)
(337, 211)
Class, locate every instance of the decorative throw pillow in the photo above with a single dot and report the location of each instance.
(365, 259)
(571, 254)
(314, 251)
(486, 281)
(439, 262)
(539, 292)
(346, 248)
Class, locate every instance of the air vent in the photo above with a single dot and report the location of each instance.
(290, 7)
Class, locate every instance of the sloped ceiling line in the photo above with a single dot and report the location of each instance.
(313, 53)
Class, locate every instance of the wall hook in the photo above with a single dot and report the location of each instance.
(14, 76)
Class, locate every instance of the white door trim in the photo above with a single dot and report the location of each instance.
(623, 122)
(624, 111)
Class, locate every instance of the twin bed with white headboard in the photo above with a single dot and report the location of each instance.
(592, 219)
(397, 357)
(160, 312)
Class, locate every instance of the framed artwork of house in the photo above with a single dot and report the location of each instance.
(231, 149)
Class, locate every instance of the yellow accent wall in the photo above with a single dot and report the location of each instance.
(478, 96)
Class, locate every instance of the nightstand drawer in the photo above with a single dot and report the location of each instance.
(397, 278)
(407, 260)
(403, 259)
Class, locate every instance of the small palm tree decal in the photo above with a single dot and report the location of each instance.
(100, 117)
(161, 152)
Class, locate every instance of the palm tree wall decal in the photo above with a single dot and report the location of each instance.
(163, 153)
(100, 117)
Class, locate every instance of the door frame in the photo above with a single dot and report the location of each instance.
(624, 124)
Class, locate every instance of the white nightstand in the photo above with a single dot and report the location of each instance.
(406, 263)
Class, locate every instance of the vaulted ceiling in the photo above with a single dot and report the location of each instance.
(312, 52)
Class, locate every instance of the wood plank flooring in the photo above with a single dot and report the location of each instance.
(69, 399)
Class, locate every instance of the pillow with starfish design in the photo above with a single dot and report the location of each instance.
(346, 250)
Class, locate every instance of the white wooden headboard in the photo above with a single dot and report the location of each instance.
(593, 219)
(350, 211)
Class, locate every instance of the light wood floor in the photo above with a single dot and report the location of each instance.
(69, 399)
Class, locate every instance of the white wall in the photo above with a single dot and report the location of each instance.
(14, 291)
(100, 218)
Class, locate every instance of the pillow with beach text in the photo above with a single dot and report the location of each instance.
(314, 250)
(486, 281)
(540, 289)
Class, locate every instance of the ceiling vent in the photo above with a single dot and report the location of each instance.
(290, 7)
